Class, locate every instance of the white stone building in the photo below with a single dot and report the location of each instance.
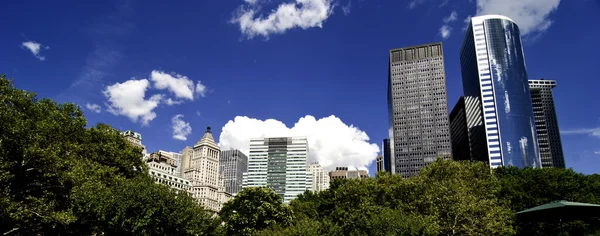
(163, 169)
(320, 178)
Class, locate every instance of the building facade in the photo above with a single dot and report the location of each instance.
(135, 139)
(495, 79)
(379, 162)
(163, 169)
(202, 169)
(348, 173)
(418, 108)
(320, 179)
(546, 123)
(233, 163)
(280, 164)
(467, 132)
(387, 155)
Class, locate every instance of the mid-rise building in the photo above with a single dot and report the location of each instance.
(418, 108)
(495, 81)
(348, 173)
(546, 123)
(379, 162)
(467, 131)
(320, 179)
(280, 164)
(163, 169)
(387, 155)
(135, 139)
(202, 169)
(233, 163)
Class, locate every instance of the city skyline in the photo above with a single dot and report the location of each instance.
(273, 83)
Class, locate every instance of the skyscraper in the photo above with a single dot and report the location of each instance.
(280, 164)
(233, 163)
(495, 79)
(417, 107)
(467, 132)
(546, 123)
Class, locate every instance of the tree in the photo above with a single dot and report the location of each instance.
(254, 209)
(59, 178)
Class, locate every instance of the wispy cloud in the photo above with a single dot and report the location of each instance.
(35, 49)
(302, 14)
(451, 17)
(590, 131)
(445, 31)
(597, 152)
(93, 107)
(347, 7)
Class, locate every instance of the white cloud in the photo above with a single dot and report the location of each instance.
(597, 152)
(451, 17)
(331, 142)
(93, 107)
(532, 16)
(35, 48)
(198, 113)
(181, 86)
(201, 89)
(466, 22)
(172, 102)
(301, 13)
(347, 7)
(181, 129)
(592, 131)
(445, 31)
(128, 99)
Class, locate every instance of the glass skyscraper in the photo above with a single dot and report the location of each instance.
(494, 73)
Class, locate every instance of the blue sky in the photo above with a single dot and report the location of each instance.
(249, 68)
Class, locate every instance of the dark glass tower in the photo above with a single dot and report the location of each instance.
(495, 77)
(387, 157)
(546, 123)
(418, 108)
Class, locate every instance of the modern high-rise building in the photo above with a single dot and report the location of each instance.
(546, 123)
(387, 156)
(495, 80)
(320, 179)
(202, 169)
(467, 132)
(417, 108)
(233, 164)
(280, 164)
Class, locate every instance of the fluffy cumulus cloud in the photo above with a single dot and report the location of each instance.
(299, 14)
(93, 107)
(35, 49)
(331, 142)
(181, 129)
(129, 99)
(532, 16)
(179, 85)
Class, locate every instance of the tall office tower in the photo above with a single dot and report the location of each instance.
(135, 139)
(320, 179)
(494, 74)
(203, 172)
(280, 164)
(546, 123)
(467, 132)
(387, 159)
(348, 173)
(233, 164)
(418, 109)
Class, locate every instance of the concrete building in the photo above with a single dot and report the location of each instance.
(495, 85)
(202, 169)
(280, 164)
(417, 108)
(347, 173)
(135, 139)
(387, 155)
(163, 169)
(546, 123)
(320, 179)
(379, 161)
(233, 163)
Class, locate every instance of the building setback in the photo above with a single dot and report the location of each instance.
(233, 163)
(280, 164)
(546, 123)
(417, 108)
(495, 82)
